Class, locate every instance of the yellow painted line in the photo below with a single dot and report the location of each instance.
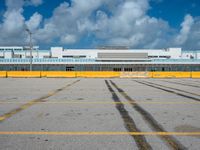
(101, 102)
(31, 103)
(15, 111)
(2, 118)
(99, 133)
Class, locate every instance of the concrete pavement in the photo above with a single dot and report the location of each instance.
(99, 114)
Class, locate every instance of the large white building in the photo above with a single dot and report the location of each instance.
(108, 59)
(60, 52)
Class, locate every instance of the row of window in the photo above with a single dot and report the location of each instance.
(128, 68)
(10, 49)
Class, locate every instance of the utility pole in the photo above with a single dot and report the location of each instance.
(31, 48)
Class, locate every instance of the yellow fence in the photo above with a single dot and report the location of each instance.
(97, 74)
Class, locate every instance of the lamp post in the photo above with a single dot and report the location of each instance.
(31, 47)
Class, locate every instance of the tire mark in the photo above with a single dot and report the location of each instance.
(128, 121)
(32, 102)
(172, 88)
(151, 121)
(157, 86)
(191, 85)
(193, 79)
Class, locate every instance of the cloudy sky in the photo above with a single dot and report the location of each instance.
(93, 23)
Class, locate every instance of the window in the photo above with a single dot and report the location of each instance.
(164, 56)
(128, 69)
(117, 69)
(70, 68)
(82, 56)
(68, 56)
(153, 56)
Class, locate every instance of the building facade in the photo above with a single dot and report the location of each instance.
(102, 59)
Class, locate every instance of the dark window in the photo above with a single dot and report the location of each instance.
(117, 69)
(69, 68)
(128, 69)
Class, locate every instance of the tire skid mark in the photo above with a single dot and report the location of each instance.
(185, 84)
(32, 102)
(149, 119)
(128, 121)
(173, 88)
(158, 86)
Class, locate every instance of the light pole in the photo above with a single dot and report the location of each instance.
(31, 47)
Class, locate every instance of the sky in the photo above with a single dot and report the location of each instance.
(94, 23)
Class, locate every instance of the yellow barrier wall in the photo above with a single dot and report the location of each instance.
(24, 74)
(58, 74)
(98, 74)
(171, 74)
(134, 75)
(150, 74)
(43, 74)
(3, 74)
(195, 74)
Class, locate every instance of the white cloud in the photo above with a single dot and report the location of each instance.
(14, 24)
(68, 39)
(13, 5)
(122, 22)
(11, 27)
(129, 26)
(185, 30)
(36, 2)
(193, 37)
(34, 22)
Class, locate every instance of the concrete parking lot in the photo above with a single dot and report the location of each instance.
(99, 114)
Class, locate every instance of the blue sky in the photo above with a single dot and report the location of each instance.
(174, 10)
(93, 23)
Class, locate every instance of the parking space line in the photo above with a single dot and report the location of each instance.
(99, 133)
(102, 102)
(32, 102)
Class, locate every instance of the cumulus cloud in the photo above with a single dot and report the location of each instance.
(126, 25)
(68, 39)
(129, 26)
(36, 2)
(14, 24)
(12, 5)
(185, 30)
(34, 22)
(115, 22)
(11, 28)
(192, 38)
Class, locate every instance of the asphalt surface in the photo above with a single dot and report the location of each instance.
(99, 114)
